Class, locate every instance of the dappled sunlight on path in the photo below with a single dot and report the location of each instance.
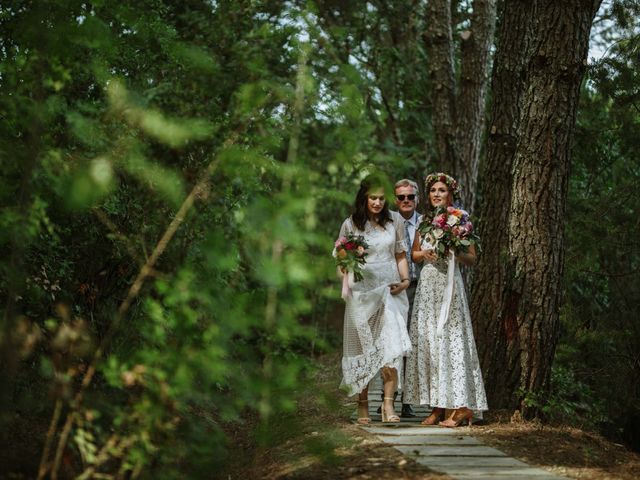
(454, 452)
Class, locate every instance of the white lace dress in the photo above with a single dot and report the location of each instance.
(442, 370)
(375, 322)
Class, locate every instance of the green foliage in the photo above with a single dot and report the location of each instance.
(600, 334)
(569, 401)
(377, 47)
(112, 114)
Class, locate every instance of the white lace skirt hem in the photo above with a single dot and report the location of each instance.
(375, 336)
(443, 370)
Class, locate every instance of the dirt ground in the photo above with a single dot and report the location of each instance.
(329, 446)
(560, 450)
(563, 450)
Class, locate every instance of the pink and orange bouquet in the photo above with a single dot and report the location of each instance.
(350, 253)
(449, 229)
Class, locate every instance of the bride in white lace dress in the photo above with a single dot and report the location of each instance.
(375, 332)
(443, 370)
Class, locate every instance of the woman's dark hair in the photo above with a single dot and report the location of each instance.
(360, 213)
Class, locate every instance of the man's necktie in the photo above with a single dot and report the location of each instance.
(408, 241)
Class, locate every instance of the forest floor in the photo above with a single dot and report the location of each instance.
(320, 441)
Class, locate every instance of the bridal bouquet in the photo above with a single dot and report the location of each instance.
(350, 253)
(449, 229)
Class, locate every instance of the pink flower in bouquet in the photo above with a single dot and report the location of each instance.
(439, 221)
(449, 230)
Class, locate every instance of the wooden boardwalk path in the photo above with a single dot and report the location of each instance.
(452, 451)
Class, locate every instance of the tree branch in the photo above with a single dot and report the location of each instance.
(133, 292)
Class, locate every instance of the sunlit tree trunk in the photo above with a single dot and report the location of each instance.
(459, 100)
(540, 61)
(440, 51)
(472, 99)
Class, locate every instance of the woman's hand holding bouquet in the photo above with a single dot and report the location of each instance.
(350, 253)
(449, 230)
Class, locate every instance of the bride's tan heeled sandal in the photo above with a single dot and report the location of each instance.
(458, 417)
(433, 419)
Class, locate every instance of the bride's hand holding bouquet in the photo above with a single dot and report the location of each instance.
(449, 230)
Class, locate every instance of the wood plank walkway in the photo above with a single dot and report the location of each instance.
(452, 451)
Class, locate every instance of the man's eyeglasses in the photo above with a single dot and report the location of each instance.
(411, 197)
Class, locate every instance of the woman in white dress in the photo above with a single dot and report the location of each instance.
(443, 370)
(375, 332)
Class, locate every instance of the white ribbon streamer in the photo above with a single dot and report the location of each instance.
(447, 297)
(347, 285)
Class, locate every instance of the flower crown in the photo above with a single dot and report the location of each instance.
(448, 180)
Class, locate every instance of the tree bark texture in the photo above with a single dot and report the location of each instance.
(539, 65)
(439, 46)
(472, 95)
(493, 335)
(459, 101)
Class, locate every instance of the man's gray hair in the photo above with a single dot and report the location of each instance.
(405, 182)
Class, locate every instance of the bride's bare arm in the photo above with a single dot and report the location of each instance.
(403, 270)
(403, 265)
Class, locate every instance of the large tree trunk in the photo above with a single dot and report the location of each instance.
(472, 99)
(493, 335)
(459, 102)
(538, 70)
